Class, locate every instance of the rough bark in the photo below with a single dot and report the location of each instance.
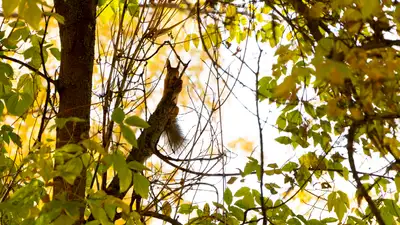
(74, 84)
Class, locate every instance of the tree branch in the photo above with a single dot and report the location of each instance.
(148, 139)
(48, 79)
(161, 217)
(360, 186)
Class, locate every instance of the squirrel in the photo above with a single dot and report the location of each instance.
(172, 88)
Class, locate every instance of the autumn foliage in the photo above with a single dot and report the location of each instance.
(83, 112)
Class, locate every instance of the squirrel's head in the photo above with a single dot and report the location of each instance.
(172, 71)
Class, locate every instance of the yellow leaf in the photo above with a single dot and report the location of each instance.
(186, 43)
(332, 109)
(370, 8)
(244, 144)
(195, 40)
(9, 6)
(289, 36)
(259, 17)
(233, 144)
(304, 196)
(266, 10)
(353, 27)
(396, 14)
(283, 90)
(231, 11)
(368, 107)
(351, 14)
(282, 50)
(336, 77)
(317, 9)
(166, 208)
(356, 113)
(375, 74)
(340, 3)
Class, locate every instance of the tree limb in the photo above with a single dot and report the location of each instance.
(161, 217)
(360, 186)
(148, 139)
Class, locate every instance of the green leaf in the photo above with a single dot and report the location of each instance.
(243, 191)
(17, 104)
(271, 187)
(166, 208)
(86, 158)
(284, 140)
(281, 122)
(325, 46)
(236, 212)
(137, 166)
(9, 6)
(187, 208)
(329, 220)
(232, 180)
(56, 53)
(397, 182)
(6, 73)
(339, 202)
(124, 173)
(111, 200)
(137, 122)
(118, 115)
(273, 165)
(310, 110)
(344, 198)
(33, 14)
(294, 117)
(93, 145)
(290, 166)
(206, 209)
(101, 215)
(293, 221)
(250, 167)
(61, 122)
(345, 173)
(141, 185)
(125, 179)
(70, 170)
(228, 196)
(110, 210)
(133, 8)
(60, 19)
(370, 8)
(15, 138)
(26, 83)
(129, 135)
(64, 219)
(387, 217)
(71, 148)
(391, 207)
(93, 222)
(1, 108)
(340, 209)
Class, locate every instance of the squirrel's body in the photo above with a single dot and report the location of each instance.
(172, 88)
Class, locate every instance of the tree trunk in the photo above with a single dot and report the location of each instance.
(77, 37)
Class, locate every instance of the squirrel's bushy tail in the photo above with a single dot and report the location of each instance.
(174, 135)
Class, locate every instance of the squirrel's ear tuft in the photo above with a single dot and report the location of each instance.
(169, 64)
